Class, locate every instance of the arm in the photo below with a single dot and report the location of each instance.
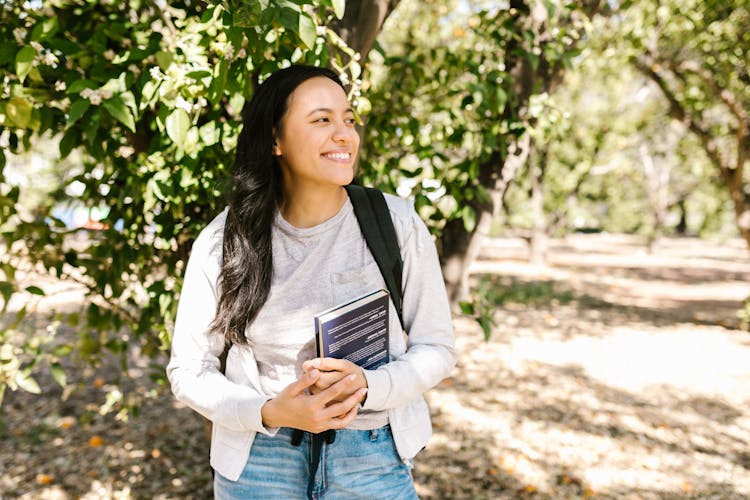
(430, 354)
(193, 369)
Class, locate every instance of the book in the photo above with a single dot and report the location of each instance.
(356, 330)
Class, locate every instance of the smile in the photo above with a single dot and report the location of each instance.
(337, 156)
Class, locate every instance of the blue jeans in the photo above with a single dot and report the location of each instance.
(358, 464)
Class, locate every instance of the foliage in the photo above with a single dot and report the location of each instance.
(621, 163)
(696, 53)
(459, 105)
(491, 292)
(147, 96)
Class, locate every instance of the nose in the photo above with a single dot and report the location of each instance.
(343, 133)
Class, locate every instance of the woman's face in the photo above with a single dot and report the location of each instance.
(317, 143)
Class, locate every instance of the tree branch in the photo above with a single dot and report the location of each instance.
(730, 100)
(677, 110)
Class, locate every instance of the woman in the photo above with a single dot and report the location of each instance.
(287, 247)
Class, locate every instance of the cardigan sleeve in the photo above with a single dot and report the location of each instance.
(193, 368)
(430, 355)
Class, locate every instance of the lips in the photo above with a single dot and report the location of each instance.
(337, 156)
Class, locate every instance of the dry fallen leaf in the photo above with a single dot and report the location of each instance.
(155, 453)
(98, 382)
(67, 422)
(44, 479)
(95, 441)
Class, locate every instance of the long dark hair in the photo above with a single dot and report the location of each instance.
(247, 268)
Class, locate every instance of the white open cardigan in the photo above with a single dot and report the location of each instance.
(232, 401)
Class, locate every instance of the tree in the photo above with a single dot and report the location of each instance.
(463, 97)
(148, 94)
(697, 54)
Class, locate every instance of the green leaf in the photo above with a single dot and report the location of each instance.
(469, 217)
(35, 290)
(178, 124)
(45, 29)
(6, 290)
(247, 15)
(79, 85)
(68, 142)
(27, 383)
(24, 62)
(120, 112)
(18, 112)
(59, 374)
(77, 110)
(338, 8)
(467, 308)
(62, 350)
(307, 30)
(209, 134)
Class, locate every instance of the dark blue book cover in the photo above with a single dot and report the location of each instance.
(356, 331)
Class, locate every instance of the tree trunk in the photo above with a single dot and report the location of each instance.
(459, 247)
(538, 241)
(362, 22)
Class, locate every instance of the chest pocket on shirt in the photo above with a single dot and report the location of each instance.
(350, 284)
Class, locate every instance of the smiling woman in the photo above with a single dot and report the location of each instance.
(285, 423)
(315, 147)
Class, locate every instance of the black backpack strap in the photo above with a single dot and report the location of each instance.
(376, 225)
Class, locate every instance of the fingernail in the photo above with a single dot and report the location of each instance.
(315, 362)
(313, 373)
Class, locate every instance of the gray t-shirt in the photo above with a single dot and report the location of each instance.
(314, 269)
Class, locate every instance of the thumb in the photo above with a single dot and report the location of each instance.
(306, 380)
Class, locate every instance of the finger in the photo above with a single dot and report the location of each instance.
(345, 407)
(346, 419)
(306, 380)
(327, 379)
(311, 364)
(333, 364)
(335, 390)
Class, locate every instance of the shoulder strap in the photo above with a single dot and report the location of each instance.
(376, 225)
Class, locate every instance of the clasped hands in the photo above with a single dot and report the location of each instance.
(326, 396)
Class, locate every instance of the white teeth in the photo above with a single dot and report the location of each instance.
(338, 156)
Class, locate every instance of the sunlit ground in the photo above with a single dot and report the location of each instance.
(632, 395)
(610, 373)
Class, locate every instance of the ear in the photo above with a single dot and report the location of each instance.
(276, 149)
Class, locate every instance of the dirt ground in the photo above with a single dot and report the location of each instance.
(610, 373)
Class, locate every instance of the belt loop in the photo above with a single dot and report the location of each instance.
(296, 437)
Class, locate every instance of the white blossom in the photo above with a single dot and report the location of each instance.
(109, 54)
(94, 96)
(19, 34)
(49, 59)
(155, 73)
(60, 86)
(183, 104)
(125, 151)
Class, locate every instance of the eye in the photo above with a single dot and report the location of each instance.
(322, 119)
(350, 121)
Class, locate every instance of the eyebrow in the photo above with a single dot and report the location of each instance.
(328, 110)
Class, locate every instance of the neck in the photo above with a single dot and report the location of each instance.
(308, 208)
